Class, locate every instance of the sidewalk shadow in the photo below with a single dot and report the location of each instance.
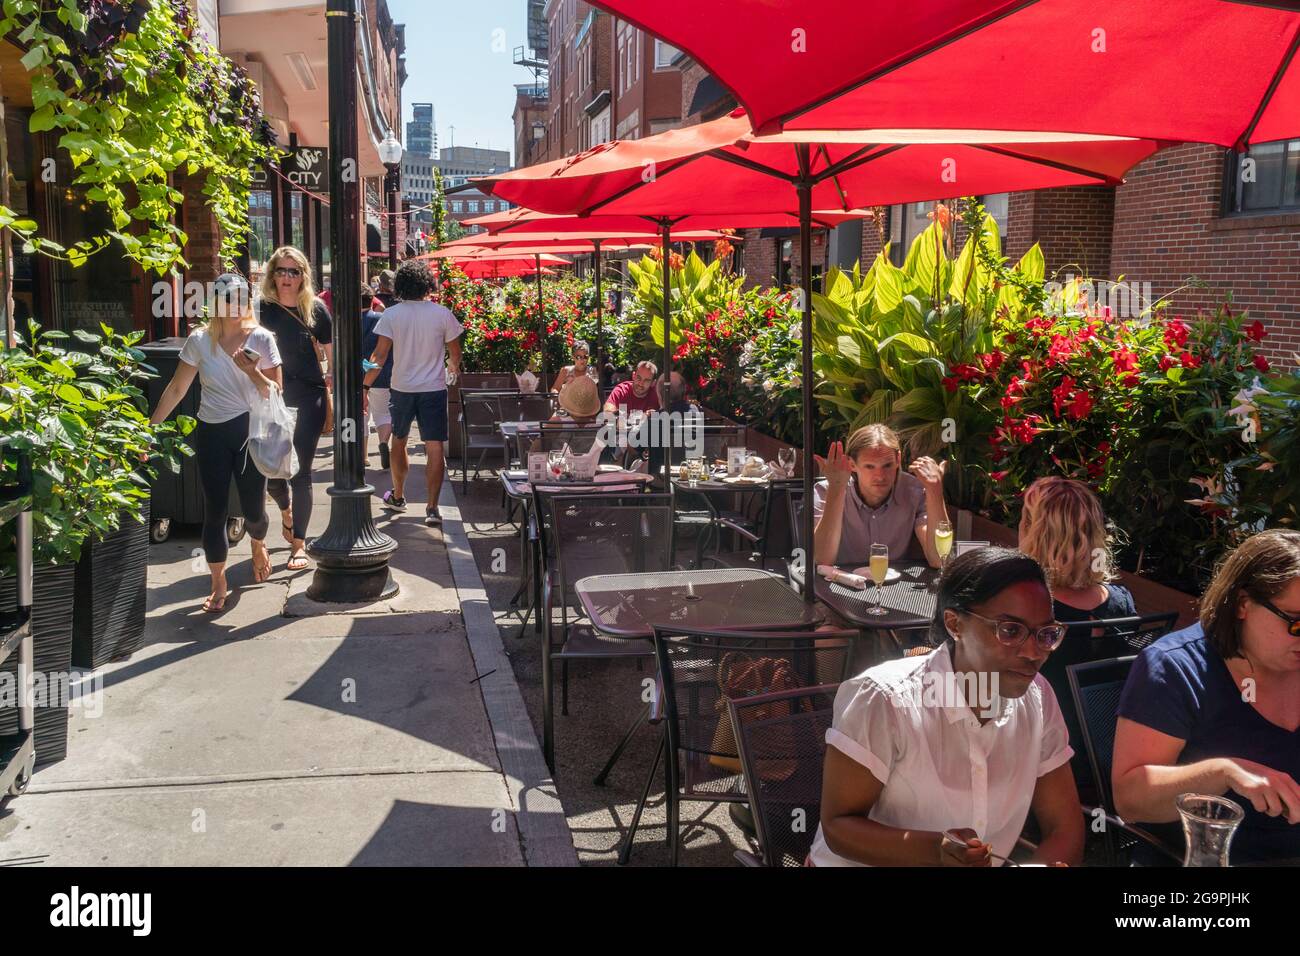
(429, 834)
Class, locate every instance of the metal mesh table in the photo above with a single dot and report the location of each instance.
(629, 605)
(909, 601)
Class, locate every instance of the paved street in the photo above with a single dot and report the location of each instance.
(274, 734)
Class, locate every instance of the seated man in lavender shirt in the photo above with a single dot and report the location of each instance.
(866, 498)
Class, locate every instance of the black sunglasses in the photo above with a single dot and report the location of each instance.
(1293, 623)
(291, 273)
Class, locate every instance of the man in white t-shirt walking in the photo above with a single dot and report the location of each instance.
(419, 334)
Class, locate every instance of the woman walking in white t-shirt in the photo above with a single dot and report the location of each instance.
(232, 356)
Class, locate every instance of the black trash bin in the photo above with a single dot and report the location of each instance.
(178, 498)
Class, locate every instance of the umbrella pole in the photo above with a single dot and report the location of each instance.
(666, 232)
(804, 188)
(541, 318)
(600, 339)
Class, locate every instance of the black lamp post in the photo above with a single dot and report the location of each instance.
(352, 555)
(390, 154)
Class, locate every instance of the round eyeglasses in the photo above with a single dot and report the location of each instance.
(1014, 634)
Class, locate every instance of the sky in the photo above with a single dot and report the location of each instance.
(459, 57)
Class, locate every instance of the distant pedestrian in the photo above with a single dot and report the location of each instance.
(385, 293)
(233, 360)
(379, 399)
(304, 332)
(419, 334)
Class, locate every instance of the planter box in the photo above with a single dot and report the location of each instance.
(1150, 597)
(52, 601)
(108, 620)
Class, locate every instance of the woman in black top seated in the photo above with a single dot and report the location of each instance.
(304, 333)
(1063, 528)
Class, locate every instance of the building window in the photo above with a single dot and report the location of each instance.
(906, 222)
(998, 206)
(473, 205)
(457, 206)
(665, 54)
(1266, 179)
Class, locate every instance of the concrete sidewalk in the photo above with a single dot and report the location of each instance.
(281, 732)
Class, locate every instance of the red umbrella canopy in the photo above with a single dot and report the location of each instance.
(500, 268)
(695, 171)
(481, 253)
(1217, 71)
(687, 228)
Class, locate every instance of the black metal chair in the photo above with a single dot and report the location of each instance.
(781, 738)
(583, 535)
(1094, 641)
(753, 527)
(479, 416)
(699, 671)
(1095, 689)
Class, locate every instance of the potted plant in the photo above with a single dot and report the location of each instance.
(77, 413)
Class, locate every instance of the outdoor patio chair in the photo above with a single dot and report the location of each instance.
(1094, 641)
(478, 431)
(1095, 689)
(553, 435)
(589, 534)
(781, 738)
(754, 527)
(699, 671)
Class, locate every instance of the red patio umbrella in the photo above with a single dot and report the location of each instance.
(1214, 71)
(695, 170)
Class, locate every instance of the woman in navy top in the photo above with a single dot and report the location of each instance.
(1215, 709)
(1063, 528)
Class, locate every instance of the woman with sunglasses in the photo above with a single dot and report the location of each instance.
(301, 323)
(938, 760)
(1215, 708)
(581, 366)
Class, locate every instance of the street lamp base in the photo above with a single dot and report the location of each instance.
(352, 555)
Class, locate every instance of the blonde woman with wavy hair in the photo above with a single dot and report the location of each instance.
(1063, 528)
(301, 323)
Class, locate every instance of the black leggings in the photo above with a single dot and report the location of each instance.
(306, 436)
(219, 450)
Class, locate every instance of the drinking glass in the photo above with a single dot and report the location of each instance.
(785, 458)
(1209, 824)
(556, 463)
(943, 542)
(879, 567)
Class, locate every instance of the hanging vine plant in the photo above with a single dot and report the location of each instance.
(137, 94)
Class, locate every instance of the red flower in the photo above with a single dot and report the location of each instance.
(951, 383)
(1130, 380)
(1166, 363)
(1104, 448)
(1062, 393)
(992, 361)
(998, 475)
(1188, 360)
(1096, 469)
(1261, 363)
(1255, 331)
(1080, 406)
(1125, 361)
(1176, 333)
(703, 381)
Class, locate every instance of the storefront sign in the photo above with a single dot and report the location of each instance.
(305, 166)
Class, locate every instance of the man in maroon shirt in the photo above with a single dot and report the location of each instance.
(638, 393)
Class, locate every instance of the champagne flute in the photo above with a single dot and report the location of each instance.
(943, 542)
(879, 567)
(785, 458)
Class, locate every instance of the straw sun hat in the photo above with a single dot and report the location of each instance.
(579, 397)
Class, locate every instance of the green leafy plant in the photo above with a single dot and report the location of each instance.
(136, 96)
(77, 414)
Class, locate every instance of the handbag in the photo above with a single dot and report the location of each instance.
(270, 436)
(328, 427)
(741, 676)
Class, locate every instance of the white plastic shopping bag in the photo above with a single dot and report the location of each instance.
(270, 436)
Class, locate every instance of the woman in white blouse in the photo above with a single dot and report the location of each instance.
(938, 760)
(235, 360)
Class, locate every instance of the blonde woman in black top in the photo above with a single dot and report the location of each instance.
(304, 332)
